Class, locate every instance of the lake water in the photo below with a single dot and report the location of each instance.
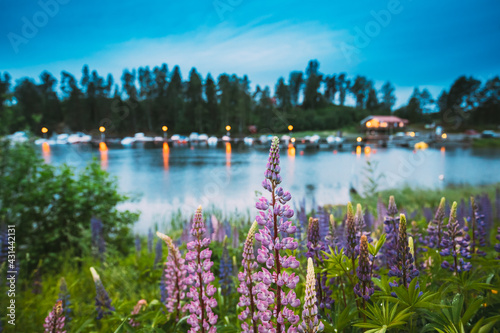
(181, 178)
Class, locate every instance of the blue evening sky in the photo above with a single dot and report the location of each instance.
(423, 43)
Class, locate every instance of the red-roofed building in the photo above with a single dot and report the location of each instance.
(383, 123)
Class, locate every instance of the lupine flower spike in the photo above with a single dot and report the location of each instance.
(435, 228)
(364, 288)
(391, 227)
(198, 257)
(64, 297)
(141, 305)
(454, 244)
(102, 300)
(54, 323)
(310, 322)
(225, 270)
(273, 302)
(247, 286)
(351, 236)
(404, 267)
(175, 276)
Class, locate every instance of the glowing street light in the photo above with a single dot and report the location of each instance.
(102, 129)
(228, 129)
(359, 139)
(164, 129)
(290, 128)
(44, 131)
(444, 135)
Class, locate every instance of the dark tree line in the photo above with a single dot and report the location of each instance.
(145, 99)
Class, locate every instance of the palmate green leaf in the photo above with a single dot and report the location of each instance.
(336, 263)
(382, 317)
(410, 298)
(374, 249)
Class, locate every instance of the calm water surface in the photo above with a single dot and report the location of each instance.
(171, 178)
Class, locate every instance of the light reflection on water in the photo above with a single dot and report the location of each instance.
(172, 178)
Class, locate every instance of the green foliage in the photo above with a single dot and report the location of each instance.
(383, 317)
(51, 207)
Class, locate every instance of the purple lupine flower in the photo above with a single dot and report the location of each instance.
(225, 271)
(200, 277)
(497, 203)
(64, 297)
(175, 281)
(323, 222)
(461, 212)
(404, 267)
(453, 244)
(98, 242)
(351, 234)
(102, 300)
(141, 305)
(273, 302)
(301, 224)
(417, 240)
(4, 244)
(369, 220)
(310, 322)
(364, 287)
(486, 210)
(150, 241)
(246, 288)
(435, 227)
(54, 322)
(158, 254)
(477, 235)
(227, 229)
(137, 244)
(391, 227)
(427, 212)
(331, 237)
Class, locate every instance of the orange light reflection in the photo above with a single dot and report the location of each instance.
(46, 152)
(103, 149)
(358, 150)
(291, 151)
(166, 153)
(228, 154)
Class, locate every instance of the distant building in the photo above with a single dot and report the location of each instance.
(383, 123)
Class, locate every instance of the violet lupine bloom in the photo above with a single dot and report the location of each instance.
(381, 212)
(453, 244)
(54, 322)
(478, 235)
(313, 243)
(364, 287)
(247, 286)
(200, 277)
(273, 302)
(391, 227)
(64, 297)
(150, 240)
(175, 277)
(404, 267)
(225, 271)
(435, 227)
(310, 322)
(351, 237)
(102, 300)
(141, 305)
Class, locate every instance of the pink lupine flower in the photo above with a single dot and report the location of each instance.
(200, 277)
(246, 288)
(141, 305)
(310, 322)
(175, 276)
(273, 304)
(54, 323)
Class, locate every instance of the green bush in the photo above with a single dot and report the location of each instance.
(51, 207)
